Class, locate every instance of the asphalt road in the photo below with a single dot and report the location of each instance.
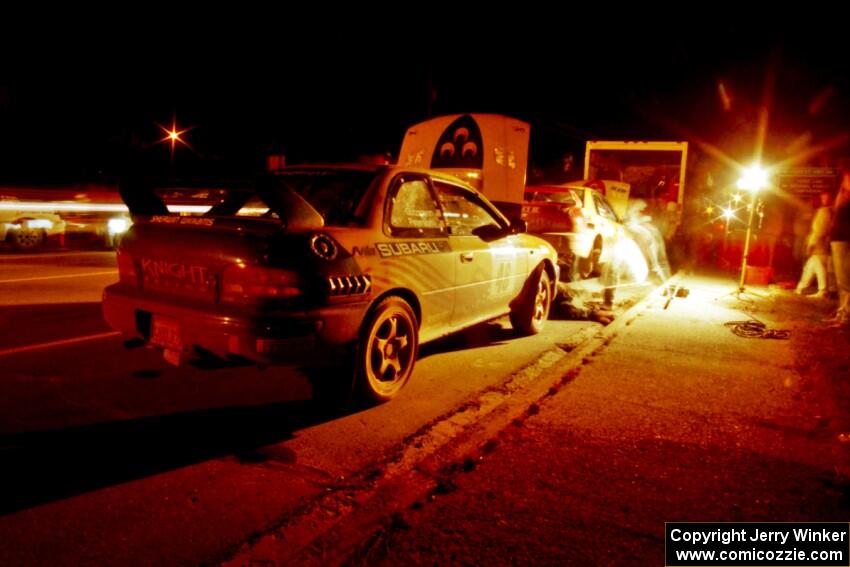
(675, 419)
(114, 457)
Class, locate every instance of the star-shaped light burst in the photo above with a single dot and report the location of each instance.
(174, 136)
(753, 177)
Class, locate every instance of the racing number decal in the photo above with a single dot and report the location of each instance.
(503, 277)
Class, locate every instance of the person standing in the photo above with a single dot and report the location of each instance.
(840, 247)
(817, 248)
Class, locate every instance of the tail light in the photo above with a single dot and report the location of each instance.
(577, 217)
(248, 284)
(126, 267)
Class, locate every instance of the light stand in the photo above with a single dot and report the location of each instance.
(753, 179)
(728, 213)
(746, 253)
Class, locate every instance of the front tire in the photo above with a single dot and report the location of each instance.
(387, 350)
(530, 315)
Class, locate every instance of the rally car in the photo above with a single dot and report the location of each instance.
(368, 262)
(578, 221)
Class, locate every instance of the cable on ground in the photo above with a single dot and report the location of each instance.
(754, 329)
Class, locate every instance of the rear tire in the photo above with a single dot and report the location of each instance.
(387, 351)
(589, 267)
(529, 316)
(25, 239)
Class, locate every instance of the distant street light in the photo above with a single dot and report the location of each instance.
(174, 136)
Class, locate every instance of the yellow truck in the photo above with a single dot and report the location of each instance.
(655, 171)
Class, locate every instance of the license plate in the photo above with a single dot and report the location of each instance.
(165, 333)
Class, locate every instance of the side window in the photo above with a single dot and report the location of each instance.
(462, 211)
(604, 208)
(413, 212)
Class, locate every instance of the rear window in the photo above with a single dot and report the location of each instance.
(335, 194)
(565, 198)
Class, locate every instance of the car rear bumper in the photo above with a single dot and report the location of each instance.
(264, 338)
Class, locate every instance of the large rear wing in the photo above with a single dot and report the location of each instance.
(143, 199)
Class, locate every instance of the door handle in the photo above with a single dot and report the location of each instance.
(467, 257)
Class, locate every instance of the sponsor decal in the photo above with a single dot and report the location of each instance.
(159, 270)
(505, 157)
(415, 160)
(165, 219)
(364, 251)
(168, 219)
(460, 145)
(387, 249)
(197, 221)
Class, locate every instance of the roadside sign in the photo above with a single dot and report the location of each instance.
(808, 181)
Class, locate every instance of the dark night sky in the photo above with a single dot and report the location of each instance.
(69, 108)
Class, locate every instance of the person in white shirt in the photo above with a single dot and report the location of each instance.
(817, 247)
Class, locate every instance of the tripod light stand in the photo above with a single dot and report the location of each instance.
(753, 179)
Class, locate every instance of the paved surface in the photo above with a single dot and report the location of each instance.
(113, 456)
(677, 419)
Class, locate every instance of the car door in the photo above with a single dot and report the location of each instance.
(417, 255)
(488, 274)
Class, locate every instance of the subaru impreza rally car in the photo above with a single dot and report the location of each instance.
(578, 221)
(368, 262)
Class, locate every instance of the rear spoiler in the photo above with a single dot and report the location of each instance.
(293, 210)
(140, 198)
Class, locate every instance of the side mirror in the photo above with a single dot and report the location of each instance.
(518, 226)
(489, 232)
